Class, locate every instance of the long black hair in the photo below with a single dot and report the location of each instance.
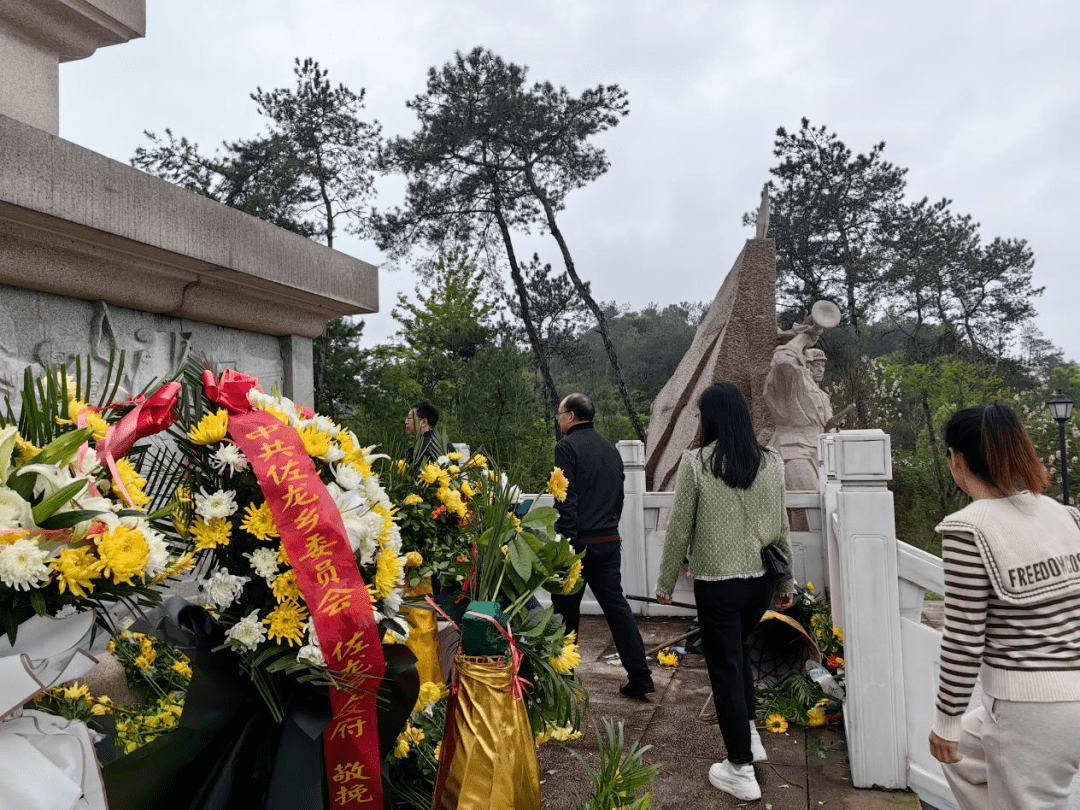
(997, 448)
(725, 420)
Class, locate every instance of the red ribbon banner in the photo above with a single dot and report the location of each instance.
(327, 575)
(149, 416)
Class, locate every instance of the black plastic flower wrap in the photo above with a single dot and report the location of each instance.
(228, 749)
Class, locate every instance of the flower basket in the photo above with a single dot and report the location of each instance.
(480, 636)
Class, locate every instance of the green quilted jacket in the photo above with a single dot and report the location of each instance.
(709, 526)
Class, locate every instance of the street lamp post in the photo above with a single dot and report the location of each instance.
(1061, 406)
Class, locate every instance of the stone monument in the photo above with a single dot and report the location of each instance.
(734, 343)
(97, 256)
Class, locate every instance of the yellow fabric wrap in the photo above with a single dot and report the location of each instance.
(488, 758)
(424, 636)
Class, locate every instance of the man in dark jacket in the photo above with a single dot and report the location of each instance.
(589, 518)
(420, 424)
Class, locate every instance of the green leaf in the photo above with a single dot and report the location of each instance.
(54, 502)
(38, 601)
(541, 516)
(65, 520)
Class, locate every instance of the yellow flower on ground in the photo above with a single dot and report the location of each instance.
(285, 623)
(558, 483)
(413, 559)
(430, 694)
(124, 554)
(211, 428)
(815, 717)
(776, 723)
(132, 481)
(413, 734)
(667, 658)
(143, 663)
(76, 691)
(259, 522)
(568, 658)
(401, 749)
(285, 588)
(76, 569)
(412, 498)
(211, 534)
(572, 577)
(182, 668)
(99, 709)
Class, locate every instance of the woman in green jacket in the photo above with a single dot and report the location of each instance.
(729, 502)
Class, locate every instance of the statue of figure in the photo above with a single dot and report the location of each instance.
(800, 409)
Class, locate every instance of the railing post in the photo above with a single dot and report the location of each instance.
(862, 530)
(632, 523)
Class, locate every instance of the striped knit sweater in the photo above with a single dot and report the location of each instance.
(1012, 605)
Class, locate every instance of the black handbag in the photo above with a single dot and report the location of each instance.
(776, 564)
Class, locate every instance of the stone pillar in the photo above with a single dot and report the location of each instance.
(298, 369)
(632, 522)
(862, 526)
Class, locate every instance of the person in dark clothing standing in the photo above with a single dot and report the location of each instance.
(420, 424)
(589, 518)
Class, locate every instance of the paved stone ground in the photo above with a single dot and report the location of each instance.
(807, 768)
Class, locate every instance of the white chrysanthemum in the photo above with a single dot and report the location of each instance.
(347, 476)
(264, 562)
(393, 538)
(66, 610)
(333, 454)
(327, 425)
(375, 492)
(392, 601)
(15, 512)
(158, 560)
(311, 655)
(443, 461)
(364, 531)
(22, 565)
(224, 588)
(248, 633)
(220, 504)
(228, 457)
(349, 501)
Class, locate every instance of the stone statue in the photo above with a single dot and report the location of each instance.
(763, 213)
(801, 411)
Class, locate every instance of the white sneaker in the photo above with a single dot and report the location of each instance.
(736, 780)
(756, 746)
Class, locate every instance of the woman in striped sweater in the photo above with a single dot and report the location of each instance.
(1012, 618)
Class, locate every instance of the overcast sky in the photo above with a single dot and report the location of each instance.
(977, 99)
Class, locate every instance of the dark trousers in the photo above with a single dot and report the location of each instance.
(728, 611)
(602, 571)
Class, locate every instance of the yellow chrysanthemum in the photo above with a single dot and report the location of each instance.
(810, 587)
(211, 429)
(174, 569)
(411, 498)
(776, 723)
(572, 577)
(453, 469)
(259, 522)
(12, 536)
(557, 484)
(211, 533)
(24, 450)
(133, 482)
(94, 420)
(401, 749)
(99, 709)
(76, 569)
(182, 668)
(466, 490)
(838, 634)
(451, 498)
(413, 559)
(568, 658)
(431, 473)
(400, 466)
(315, 441)
(430, 693)
(76, 691)
(285, 588)
(815, 718)
(389, 566)
(477, 460)
(123, 553)
(282, 555)
(285, 623)
(278, 414)
(454, 455)
(667, 658)
(143, 663)
(438, 750)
